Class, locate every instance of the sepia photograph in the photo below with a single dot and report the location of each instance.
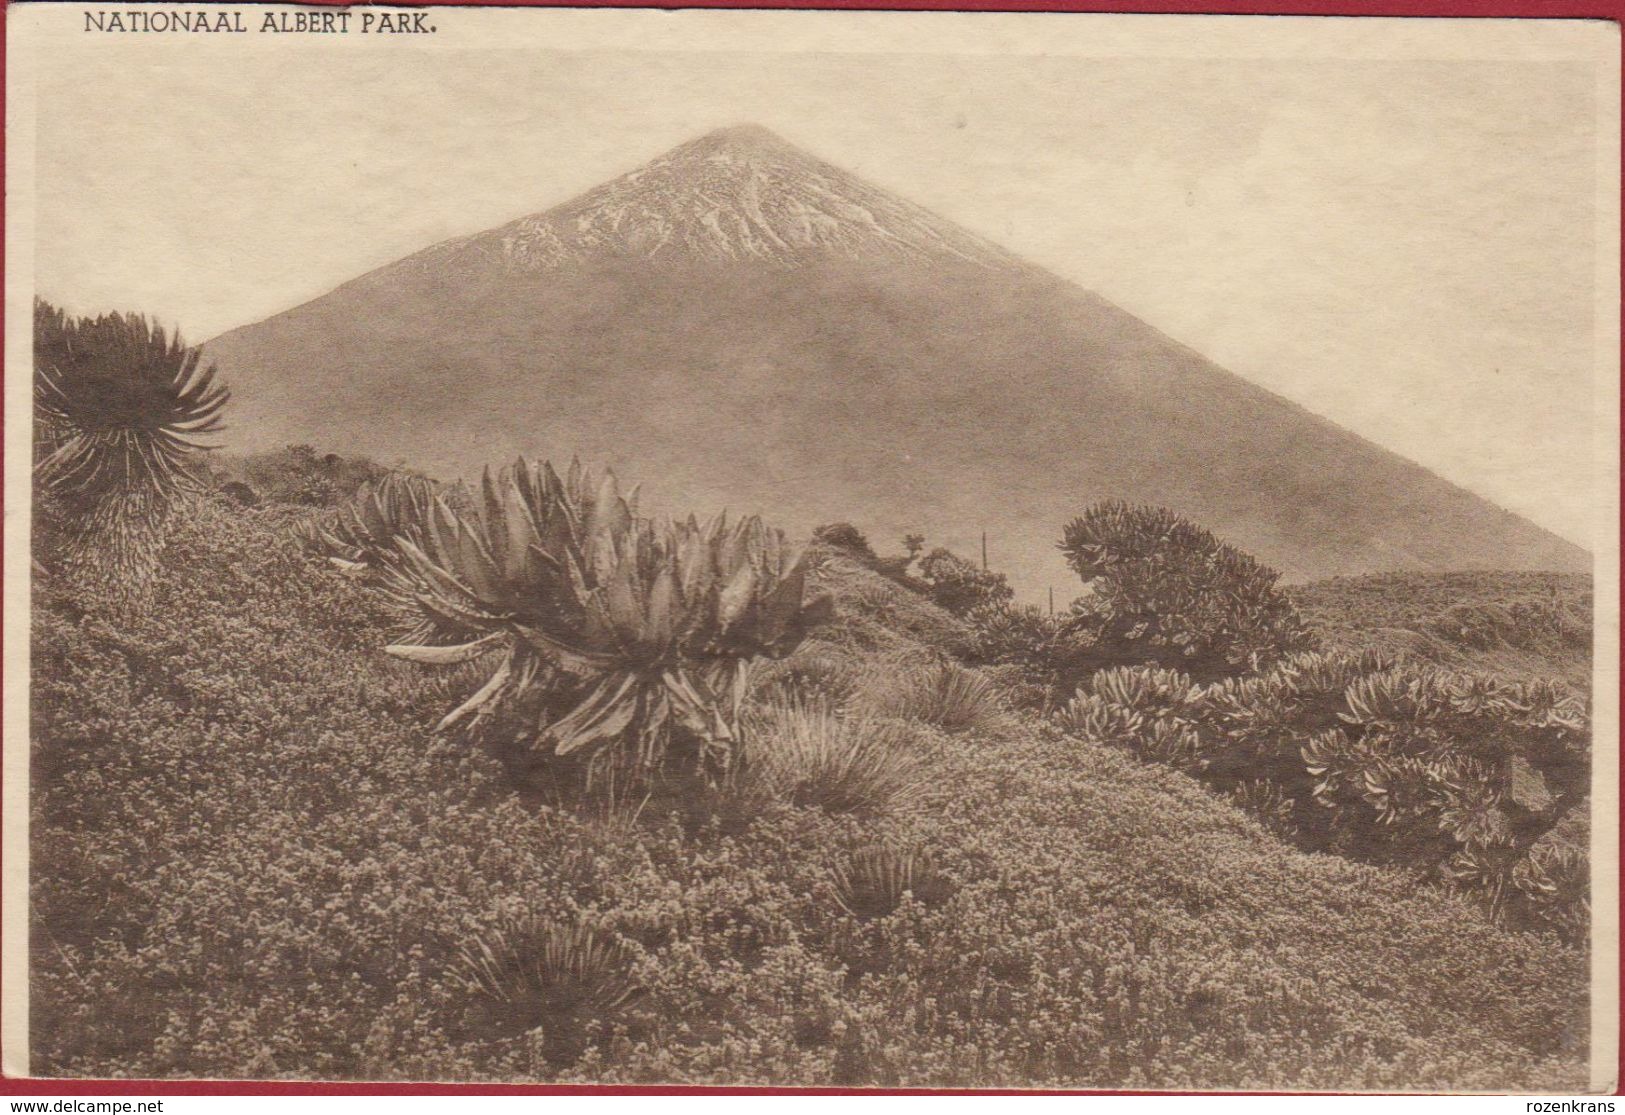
(811, 549)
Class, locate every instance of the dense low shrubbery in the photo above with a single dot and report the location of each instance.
(297, 475)
(849, 540)
(1457, 776)
(1563, 601)
(961, 586)
(253, 857)
(1516, 625)
(1041, 657)
(940, 575)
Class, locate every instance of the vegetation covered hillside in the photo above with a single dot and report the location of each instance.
(1519, 625)
(253, 855)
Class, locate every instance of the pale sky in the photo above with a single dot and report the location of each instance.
(1406, 247)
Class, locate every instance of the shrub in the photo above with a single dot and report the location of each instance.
(1150, 711)
(626, 644)
(1454, 775)
(118, 404)
(560, 977)
(1163, 591)
(874, 881)
(1552, 888)
(1455, 772)
(849, 539)
(1257, 725)
(809, 756)
(1053, 654)
(960, 586)
(938, 693)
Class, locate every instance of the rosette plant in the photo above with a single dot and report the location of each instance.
(627, 641)
(362, 538)
(118, 406)
(363, 531)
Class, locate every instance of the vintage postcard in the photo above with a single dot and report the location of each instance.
(807, 548)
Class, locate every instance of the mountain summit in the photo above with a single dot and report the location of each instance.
(738, 193)
(740, 324)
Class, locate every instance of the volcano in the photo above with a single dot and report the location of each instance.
(740, 324)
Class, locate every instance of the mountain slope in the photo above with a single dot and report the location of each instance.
(739, 324)
(736, 193)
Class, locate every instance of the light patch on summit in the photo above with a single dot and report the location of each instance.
(738, 193)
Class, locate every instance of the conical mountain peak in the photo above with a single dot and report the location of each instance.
(741, 138)
(711, 322)
(737, 193)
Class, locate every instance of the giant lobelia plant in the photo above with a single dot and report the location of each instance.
(625, 642)
(362, 537)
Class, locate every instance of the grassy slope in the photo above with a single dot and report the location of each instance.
(1519, 625)
(251, 858)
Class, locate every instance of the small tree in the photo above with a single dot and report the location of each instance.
(845, 536)
(1053, 654)
(1164, 591)
(117, 405)
(959, 586)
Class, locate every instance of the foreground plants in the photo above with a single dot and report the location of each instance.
(625, 643)
(118, 404)
(813, 757)
(938, 693)
(1465, 777)
(876, 880)
(527, 974)
(250, 863)
(1165, 592)
(361, 538)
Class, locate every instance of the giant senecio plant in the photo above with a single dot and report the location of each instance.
(1165, 592)
(619, 634)
(118, 407)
